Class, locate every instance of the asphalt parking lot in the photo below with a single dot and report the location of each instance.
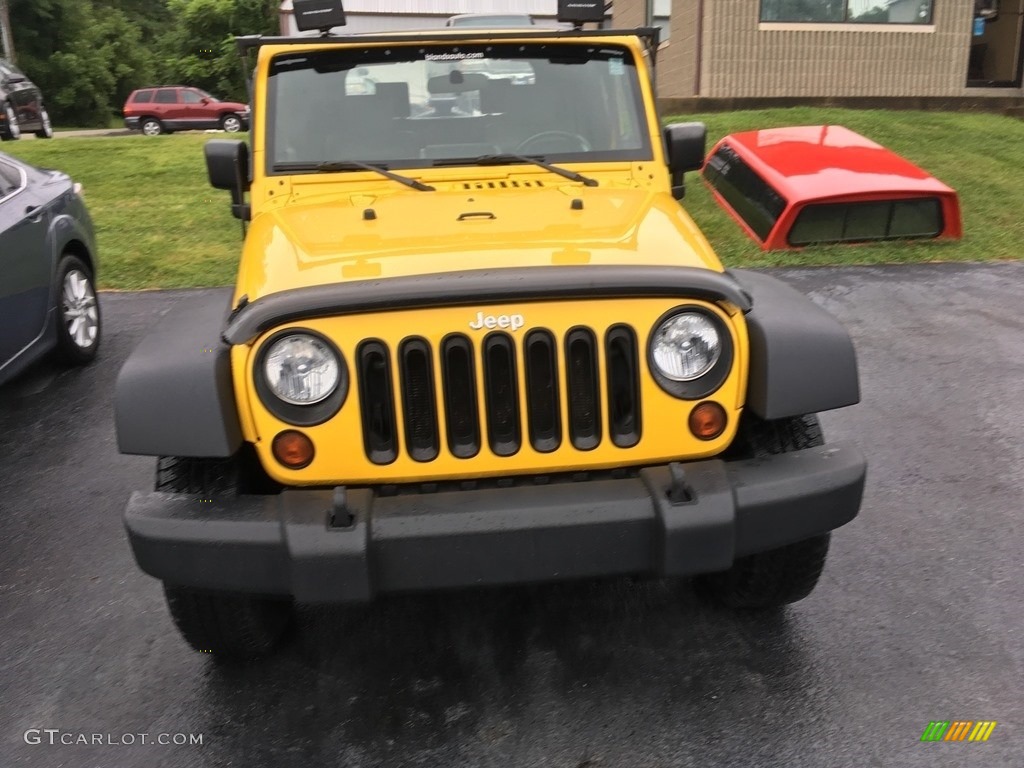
(918, 616)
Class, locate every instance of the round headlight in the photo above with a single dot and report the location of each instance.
(686, 346)
(301, 369)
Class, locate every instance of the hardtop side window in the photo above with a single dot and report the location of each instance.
(166, 96)
(848, 11)
(750, 196)
(191, 97)
(143, 97)
(865, 221)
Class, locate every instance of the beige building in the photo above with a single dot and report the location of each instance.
(887, 51)
(842, 49)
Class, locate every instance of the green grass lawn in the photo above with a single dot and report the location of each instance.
(158, 221)
(160, 225)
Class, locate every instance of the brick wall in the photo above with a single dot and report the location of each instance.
(740, 59)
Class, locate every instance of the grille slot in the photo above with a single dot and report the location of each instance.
(419, 411)
(624, 423)
(380, 439)
(458, 377)
(542, 395)
(582, 383)
(501, 395)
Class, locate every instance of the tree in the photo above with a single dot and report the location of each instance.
(200, 49)
(85, 55)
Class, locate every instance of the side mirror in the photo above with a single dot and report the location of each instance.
(227, 164)
(204, 100)
(685, 146)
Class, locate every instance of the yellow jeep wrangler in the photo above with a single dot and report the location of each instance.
(476, 340)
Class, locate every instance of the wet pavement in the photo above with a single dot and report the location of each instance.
(918, 616)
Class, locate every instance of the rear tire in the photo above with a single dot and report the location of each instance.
(228, 625)
(46, 131)
(12, 130)
(780, 576)
(150, 126)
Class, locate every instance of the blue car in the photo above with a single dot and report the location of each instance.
(47, 269)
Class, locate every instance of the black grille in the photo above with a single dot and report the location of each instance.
(501, 395)
(494, 365)
(380, 439)
(584, 396)
(458, 375)
(623, 379)
(542, 398)
(418, 402)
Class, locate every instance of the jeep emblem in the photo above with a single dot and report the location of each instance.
(512, 322)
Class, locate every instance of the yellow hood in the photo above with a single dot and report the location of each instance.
(338, 238)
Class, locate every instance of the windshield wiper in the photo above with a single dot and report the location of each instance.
(352, 165)
(506, 159)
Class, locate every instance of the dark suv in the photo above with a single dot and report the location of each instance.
(178, 108)
(21, 105)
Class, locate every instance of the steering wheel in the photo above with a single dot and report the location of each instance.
(556, 138)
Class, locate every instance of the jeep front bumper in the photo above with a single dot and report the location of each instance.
(648, 524)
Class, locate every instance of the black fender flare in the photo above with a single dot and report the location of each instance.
(802, 359)
(174, 395)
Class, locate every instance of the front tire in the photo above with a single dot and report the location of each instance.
(78, 322)
(228, 625)
(780, 576)
(12, 129)
(46, 131)
(231, 123)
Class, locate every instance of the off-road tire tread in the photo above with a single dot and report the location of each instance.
(785, 575)
(177, 474)
(769, 579)
(763, 438)
(227, 625)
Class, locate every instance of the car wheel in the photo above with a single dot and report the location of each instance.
(779, 576)
(46, 132)
(78, 326)
(151, 126)
(226, 624)
(231, 123)
(12, 131)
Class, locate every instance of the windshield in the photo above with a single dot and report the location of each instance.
(412, 106)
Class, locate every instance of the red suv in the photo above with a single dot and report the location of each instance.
(179, 108)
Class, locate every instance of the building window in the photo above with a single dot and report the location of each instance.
(848, 11)
(661, 17)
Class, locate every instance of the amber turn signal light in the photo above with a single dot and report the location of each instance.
(293, 449)
(707, 420)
